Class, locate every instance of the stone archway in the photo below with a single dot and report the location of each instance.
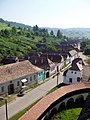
(53, 111)
(61, 106)
(80, 100)
(70, 103)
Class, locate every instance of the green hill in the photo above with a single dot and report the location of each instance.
(18, 42)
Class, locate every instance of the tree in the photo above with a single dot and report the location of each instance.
(13, 30)
(35, 28)
(6, 33)
(59, 34)
(51, 32)
(28, 34)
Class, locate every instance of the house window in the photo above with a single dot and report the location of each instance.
(78, 79)
(34, 77)
(2, 88)
(75, 72)
(70, 80)
(18, 83)
(30, 78)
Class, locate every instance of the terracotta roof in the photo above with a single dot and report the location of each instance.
(72, 52)
(41, 61)
(54, 57)
(76, 65)
(38, 109)
(86, 73)
(16, 70)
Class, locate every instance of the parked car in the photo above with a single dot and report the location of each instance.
(21, 93)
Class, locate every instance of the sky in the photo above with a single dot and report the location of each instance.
(47, 13)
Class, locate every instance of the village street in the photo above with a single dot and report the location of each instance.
(30, 97)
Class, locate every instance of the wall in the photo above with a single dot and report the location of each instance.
(16, 86)
(41, 76)
(56, 108)
(53, 70)
(74, 76)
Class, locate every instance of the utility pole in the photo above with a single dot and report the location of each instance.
(57, 77)
(6, 109)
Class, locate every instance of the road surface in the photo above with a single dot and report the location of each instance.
(30, 97)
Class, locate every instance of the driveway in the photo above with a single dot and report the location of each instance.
(30, 97)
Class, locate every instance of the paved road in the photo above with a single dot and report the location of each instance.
(29, 98)
(84, 57)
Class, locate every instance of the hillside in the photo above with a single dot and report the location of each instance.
(70, 32)
(18, 42)
(79, 33)
(17, 25)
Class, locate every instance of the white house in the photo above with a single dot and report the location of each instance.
(74, 74)
(14, 76)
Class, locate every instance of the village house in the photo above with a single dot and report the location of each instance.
(73, 43)
(69, 56)
(44, 63)
(74, 73)
(55, 58)
(14, 76)
(73, 54)
(66, 57)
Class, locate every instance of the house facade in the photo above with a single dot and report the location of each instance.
(44, 63)
(74, 74)
(12, 75)
(56, 58)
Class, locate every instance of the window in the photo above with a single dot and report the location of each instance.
(75, 72)
(18, 83)
(30, 78)
(2, 88)
(78, 79)
(34, 77)
(70, 80)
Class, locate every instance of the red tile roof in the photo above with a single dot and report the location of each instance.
(16, 70)
(38, 109)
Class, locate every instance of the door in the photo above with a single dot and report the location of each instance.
(47, 74)
(11, 89)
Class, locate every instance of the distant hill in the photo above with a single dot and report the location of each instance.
(73, 32)
(17, 25)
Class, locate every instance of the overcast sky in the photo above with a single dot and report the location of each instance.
(47, 13)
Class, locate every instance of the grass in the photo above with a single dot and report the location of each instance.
(69, 114)
(9, 99)
(88, 61)
(2, 102)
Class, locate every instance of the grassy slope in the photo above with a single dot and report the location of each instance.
(70, 114)
(19, 45)
(4, 26)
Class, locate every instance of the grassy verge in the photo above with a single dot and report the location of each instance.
(55, 88)
(9, 99)
(69, 114)
(22, 112)
(88, 61)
